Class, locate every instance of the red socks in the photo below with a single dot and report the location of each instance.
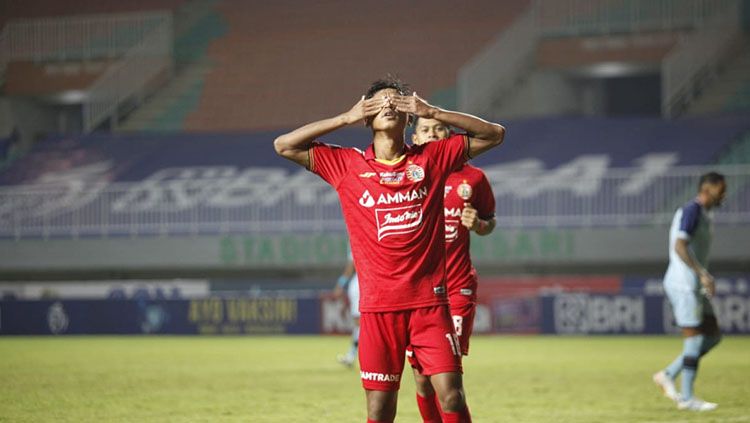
(462, 416)
(377, 421)
(429, 408)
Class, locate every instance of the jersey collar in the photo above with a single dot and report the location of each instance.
(370, 152)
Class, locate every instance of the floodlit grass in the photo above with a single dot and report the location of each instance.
(296, 379)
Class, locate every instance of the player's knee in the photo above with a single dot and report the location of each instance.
(381, 407)
(452, 400)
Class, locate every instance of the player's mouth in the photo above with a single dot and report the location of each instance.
(389, 114)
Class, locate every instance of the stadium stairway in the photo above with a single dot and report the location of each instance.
(196, 25)
(730, 91)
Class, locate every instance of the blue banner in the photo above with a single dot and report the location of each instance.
(607, 314)
(209, 316)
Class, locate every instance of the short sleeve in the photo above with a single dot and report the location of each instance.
(485, 199)
(329, 162)
(691, 214)
(450, 153)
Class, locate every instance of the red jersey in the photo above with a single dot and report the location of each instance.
(393, 215)
(466, 185)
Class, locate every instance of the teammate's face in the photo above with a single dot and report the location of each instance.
(429, 130)
(388, 118)
(714, 193)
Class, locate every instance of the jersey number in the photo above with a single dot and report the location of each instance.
(458, 324)
(453, 340)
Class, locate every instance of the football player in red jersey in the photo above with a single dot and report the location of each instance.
(469, 207)
(392, 200)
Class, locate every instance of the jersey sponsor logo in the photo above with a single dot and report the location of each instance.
(398, 220)
(464, 191)
(367, 174)
(453, 212)
(366, 199)
(402, 197)
(414, 173)
(379, 377)
(391, 178)
(451, 230)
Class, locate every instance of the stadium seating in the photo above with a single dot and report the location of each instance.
(317, 80)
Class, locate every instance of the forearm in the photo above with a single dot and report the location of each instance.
(349, 270)
(686, 256)
(301, 138)
(485, 227)
(476, 127)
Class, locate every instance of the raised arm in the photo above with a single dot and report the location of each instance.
(295, 145)
(483, 135)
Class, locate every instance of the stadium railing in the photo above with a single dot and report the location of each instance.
(141, 42)
(69, 208)
(696, 59)
(130, 76)
(499, 66)
(82, 37)
(603, 17)
(505, 61)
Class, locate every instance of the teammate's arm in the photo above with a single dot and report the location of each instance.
(682, 250)
(470, 219)
(295, 145)
(483, 135)
(344, 279)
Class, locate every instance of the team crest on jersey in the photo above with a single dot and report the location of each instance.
(391, 178)
(464, 191)
(366, 199)
(414, 173)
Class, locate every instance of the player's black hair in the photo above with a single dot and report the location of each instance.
(712, 178)
(390, 81)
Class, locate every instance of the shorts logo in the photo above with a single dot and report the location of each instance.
(464, 191)
(451, 230)
(379, 377)
(398, 220)
(366, 200)
(391, 178)
(414, 173)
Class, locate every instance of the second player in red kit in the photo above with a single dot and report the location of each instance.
(392, 200)
(469, 206)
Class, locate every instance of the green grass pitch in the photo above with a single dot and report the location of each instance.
(296, 379)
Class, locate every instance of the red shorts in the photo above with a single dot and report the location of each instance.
(383, 338)
(463, 323)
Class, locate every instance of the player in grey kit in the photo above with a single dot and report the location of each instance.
(689, 286)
